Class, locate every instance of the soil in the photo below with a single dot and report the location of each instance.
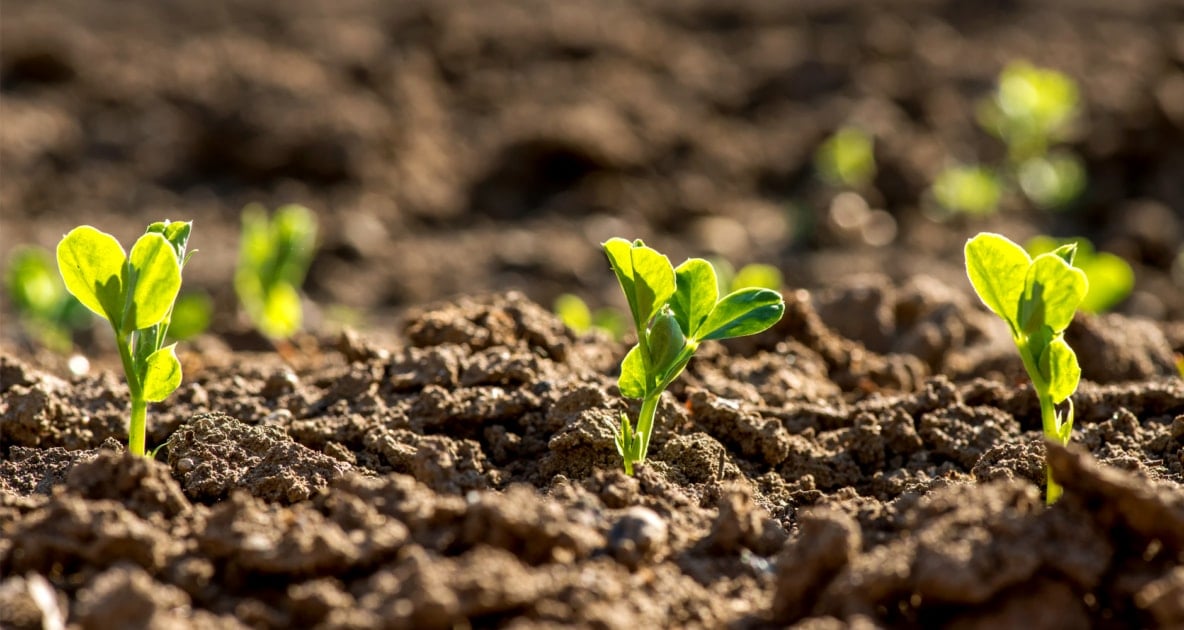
(874, 460)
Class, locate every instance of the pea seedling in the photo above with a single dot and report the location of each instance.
(274, 256)
(1037, 298)
(135, 293)
(674, 310)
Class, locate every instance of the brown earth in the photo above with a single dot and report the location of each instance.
(875, 460)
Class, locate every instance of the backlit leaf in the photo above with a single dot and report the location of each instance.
(162, 374)
(1061, 364)
(744, 312)
(91, 263)
(1053, 289)
(632, 379)
(154, 278)
(698, 290)
(996, 268)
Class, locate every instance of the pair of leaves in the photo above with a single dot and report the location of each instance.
(134, 292)
(1037, 297)
(684, 307)
(1027, 293)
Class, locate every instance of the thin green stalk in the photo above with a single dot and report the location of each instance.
(1048, 418)
(645, 422)
(139, 412)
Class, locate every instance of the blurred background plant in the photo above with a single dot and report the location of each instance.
(847, 158)
(192, 313)
(1031, 110)
(574, 312)
(274, 256)
(46, 311)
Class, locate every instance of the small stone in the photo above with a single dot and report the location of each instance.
(639, 535)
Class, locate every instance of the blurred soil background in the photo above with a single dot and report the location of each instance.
(462, 147)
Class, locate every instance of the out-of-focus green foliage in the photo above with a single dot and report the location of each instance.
(191, 315)
(757, 275)
(47, 312)
(973, 190)
(274, 255)
(847, 158)
(1111, 278)
(1052, 181)
(1032, 107)
(574, 312)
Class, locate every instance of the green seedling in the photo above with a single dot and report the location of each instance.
(576, 315)
(48, 313)
(1037, 297)
(134, 292)
(674, 310)
(972, 190)
(1031, 108)
(847, 158)
(274, 256)
(1110, 277)
(1052, 181)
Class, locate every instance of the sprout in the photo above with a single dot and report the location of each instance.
(847, 158)
(134, 292)
(674, 310)
(1037, 297)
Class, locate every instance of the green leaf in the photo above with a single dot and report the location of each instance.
(632, 381)
(696, 294)
(745, 312)
(91, 263)
(1053, 289)
(162, 374)
(646, 277)
(996, 268)
(1060, 364)
(154, 278)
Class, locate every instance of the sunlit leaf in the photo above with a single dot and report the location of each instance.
(744, 312)
(997, 268)
(91, 263)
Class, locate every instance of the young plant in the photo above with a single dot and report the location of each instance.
(970, 190)
(135, 293)
(47, 312)
(674, 310)
(1037, 298)
(847, 158)
(274, 256)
